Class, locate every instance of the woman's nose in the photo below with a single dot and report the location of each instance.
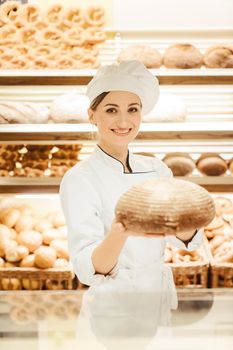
(122, 121)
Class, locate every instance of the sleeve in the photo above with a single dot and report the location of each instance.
(197, 239)
(81, 206)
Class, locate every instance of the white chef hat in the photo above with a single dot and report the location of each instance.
(130, 76)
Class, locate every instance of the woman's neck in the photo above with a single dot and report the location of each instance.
(117, 152)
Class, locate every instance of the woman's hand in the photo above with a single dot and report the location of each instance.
(119, 228)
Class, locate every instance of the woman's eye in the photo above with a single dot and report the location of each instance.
(111, 110)
(133, 110)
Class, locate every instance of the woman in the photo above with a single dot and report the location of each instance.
(106, 256)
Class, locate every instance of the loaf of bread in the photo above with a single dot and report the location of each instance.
(69, 108)
(170, 108)
(22, 113)
(181, 164)
(219, 56)
(157, 206)
(182, 56)
(211, 164)
(149, 56)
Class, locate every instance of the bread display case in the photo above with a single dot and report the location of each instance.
(206, 128)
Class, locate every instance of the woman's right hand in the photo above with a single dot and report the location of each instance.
(119, 228)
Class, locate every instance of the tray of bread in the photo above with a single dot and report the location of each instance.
(190, 268)
(33, 249)
(220, 243)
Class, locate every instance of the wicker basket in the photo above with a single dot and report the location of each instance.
(221, 274)
(17, 278)
(192, 274)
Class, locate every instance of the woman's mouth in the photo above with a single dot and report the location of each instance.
(124, 132)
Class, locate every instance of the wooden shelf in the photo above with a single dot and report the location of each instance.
(51, 184)
(84, 132)
(82, 77)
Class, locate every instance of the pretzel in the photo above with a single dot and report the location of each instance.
(88, 61)
(91, 49)
(185, 256)
(73, 17)
(8, 35)
(77, 53)
(45, 51)
(94, 16)
(9, 11)
(8, 56)
(51, 36)
(54, 14)
(224, 253)
(74, 36)
(94, 35)
(20, 62)
(41, 24)
(3, 50)
(31, 172)
(28, 35)
(29, 14)
(64, 48)
(22, 49)
(4, 173)
(66, 62)
(41, 63)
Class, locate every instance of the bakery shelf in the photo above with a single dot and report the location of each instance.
(85, 132)
(82, 77)
(51, 184)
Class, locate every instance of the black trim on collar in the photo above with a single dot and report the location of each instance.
(127, 161)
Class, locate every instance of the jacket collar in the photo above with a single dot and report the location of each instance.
(110, 161)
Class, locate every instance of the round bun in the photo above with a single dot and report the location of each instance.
(157, 206)
(149, 56)
(230, 165)
(9, 216)
(28, 261)
(211, 164)
(219, 56)
(14, 254)
(60, 262)
(169, 109)
(182, 56)
(61, 248)
(25, 222)
(45, 257)
(30, 239)
(181, 164)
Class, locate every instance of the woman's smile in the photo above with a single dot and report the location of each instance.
(122, 132)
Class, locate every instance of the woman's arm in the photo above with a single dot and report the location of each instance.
(105, 255)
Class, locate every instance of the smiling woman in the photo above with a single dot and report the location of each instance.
(106, 255)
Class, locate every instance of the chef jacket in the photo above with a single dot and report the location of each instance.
(89, 192)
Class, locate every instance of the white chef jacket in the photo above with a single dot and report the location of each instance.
(89, 192)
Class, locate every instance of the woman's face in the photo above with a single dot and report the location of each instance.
(118, 117)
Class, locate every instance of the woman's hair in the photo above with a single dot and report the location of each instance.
(95, 103)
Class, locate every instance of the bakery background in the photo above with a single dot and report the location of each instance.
(44, 131)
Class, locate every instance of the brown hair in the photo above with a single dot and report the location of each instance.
(95, 103)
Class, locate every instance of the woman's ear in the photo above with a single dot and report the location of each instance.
(91, 115)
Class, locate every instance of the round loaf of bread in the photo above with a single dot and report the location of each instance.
(219, 56)
(165, 205)
(181, 164)
(211, 164)
(149, 56)
(182, 56)
(230, 166)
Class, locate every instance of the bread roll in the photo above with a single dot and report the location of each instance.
(61, 248)
(45, 257)
(181, 164)
(148, 55)
(10, 283)
(70, 108)
(211, 164)
(28, 261)
(217, 222)
(30, 239)
(9, 216)
(165, 205)
(14, 254)
(219, 56)
(182, 56)
(50, 235)
(169, 109)
(30, 284)
(43, 225)
(61, 262)
(25, 222)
